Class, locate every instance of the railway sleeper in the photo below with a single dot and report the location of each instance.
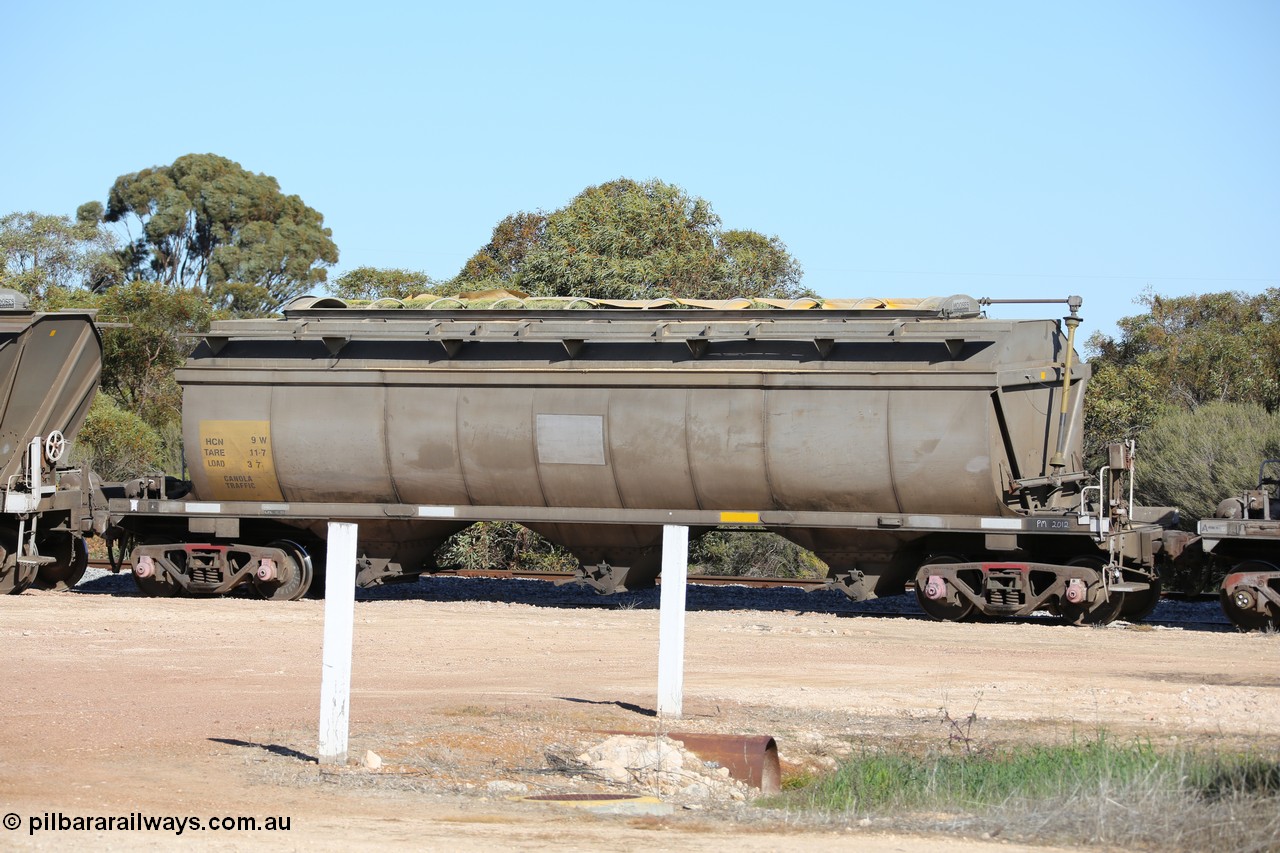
(1080, 594)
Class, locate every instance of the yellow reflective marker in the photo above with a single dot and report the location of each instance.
(739, 518)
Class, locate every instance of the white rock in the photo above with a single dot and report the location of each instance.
(613, 770)
(697, 790)
(502, 787)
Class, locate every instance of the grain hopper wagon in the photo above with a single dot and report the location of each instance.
(906, 442)
(50, 363)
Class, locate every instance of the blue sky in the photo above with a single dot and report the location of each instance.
(898, 148)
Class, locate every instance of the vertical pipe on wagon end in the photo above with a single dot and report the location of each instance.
(1059, 459)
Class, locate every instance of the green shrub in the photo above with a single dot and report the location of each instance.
(503, 545)
(1095, 792)
(743, 553)
(116, 443)
(1195, 459)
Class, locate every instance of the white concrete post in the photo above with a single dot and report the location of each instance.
(339, 616)
(675, 575)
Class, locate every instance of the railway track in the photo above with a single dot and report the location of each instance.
(1199, 613)
(807, 584)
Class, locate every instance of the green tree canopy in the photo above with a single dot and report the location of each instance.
(207, 222)
(1184, 353)
(374, 283)
(42, 253)
(139, 361)
(756, 265)
(624, 240)
(628, 239)
(501, 260)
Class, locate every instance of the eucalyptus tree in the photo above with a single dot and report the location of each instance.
(1183, 353)
(207, 222)
(376, 283)
(42, 253)
(625, 239)
(631, 239)
(501, 260)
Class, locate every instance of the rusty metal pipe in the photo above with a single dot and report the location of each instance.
(748, 758)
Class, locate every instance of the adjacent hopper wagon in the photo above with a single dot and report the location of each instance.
(49, 369)
(909, 441)
(1242, 543)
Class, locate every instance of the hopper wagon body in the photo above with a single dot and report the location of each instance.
(912, 441)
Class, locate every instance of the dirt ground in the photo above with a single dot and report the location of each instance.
(112, 704)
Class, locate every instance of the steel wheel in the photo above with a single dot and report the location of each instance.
(293, 575)
(72, 556)
(318, 556)
(1241, 615)
(9, 581)
(1102, 614)
(1138, 605)
(941, 609)
(1245, 620)
(158, 585)
(154, 587)
(9, 563)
